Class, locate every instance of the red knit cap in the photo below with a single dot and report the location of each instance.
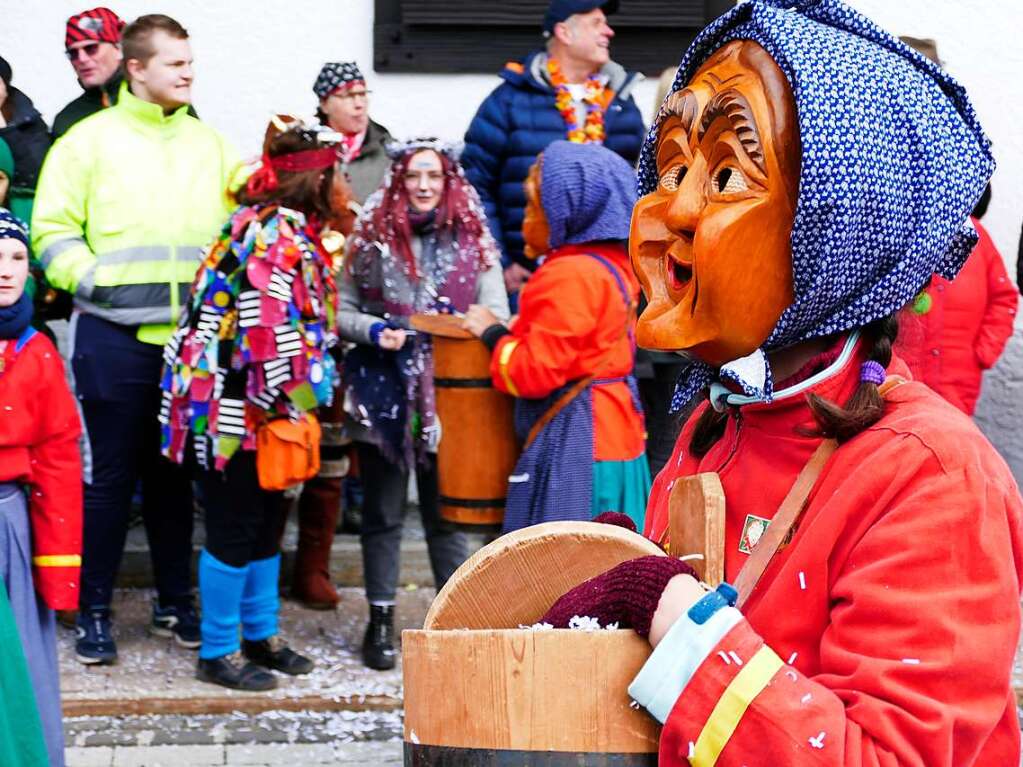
(100, 24)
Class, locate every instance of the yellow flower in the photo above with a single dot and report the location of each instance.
(577, 136)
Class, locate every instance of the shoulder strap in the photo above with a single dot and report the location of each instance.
(790, 511)
(630, 305)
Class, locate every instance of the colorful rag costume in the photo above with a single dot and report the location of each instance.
(576, 321)
(251, 345)
(884, 629)
(40, 511)
(253, 339)
(955, 330)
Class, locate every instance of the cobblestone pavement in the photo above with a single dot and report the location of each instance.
(154, 668)
(149, 710)
(298, 755)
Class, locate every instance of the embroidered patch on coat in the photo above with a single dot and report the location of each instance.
(753, 530)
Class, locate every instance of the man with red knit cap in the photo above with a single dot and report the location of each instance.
(92, 43)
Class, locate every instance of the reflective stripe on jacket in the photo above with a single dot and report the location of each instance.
(127, 199)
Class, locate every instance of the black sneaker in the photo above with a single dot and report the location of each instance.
(94, 640)
(275, 654)
(235, 672)
(378, 644)
(179, 621)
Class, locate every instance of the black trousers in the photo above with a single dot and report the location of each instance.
(384, 488)
(243, 521)
(117, 382)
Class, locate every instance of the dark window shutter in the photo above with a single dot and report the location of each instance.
(481, 35)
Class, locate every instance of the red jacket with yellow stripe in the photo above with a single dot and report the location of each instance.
(570, 325)
(39, 430)
(884, 633)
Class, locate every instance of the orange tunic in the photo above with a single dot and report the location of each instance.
(571, 325)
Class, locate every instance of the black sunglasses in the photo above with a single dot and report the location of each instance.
(89, 50)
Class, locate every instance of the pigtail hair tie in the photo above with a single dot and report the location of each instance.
(872, 372)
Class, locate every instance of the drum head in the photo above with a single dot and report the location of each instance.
(515, 580)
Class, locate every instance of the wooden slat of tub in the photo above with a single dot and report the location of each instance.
(525, 690)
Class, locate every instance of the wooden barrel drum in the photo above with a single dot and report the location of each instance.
(480, 692)
(478, 448)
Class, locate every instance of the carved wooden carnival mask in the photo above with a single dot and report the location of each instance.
(711, 243)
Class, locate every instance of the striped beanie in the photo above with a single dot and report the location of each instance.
(99, 24)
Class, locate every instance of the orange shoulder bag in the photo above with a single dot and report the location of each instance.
(287, 452)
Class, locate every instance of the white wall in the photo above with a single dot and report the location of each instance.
(260, 56)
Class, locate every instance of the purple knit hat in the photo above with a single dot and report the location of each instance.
(587, 192)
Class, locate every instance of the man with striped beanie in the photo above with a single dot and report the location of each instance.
(92, 42)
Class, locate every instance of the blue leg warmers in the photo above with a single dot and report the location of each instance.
(260, 601)
(220, 588)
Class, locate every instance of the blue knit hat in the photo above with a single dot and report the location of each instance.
(12, 227)
(893, 161)
(587, 192)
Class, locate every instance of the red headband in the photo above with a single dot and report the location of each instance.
(265, 179)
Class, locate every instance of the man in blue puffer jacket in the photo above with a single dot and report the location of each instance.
(521, 117)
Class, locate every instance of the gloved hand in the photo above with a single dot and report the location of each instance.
(627, 594)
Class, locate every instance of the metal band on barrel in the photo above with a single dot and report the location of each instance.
(422, 755)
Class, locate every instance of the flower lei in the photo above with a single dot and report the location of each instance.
(595, 98)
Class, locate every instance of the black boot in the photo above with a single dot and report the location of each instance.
(235, 672)
(274, 653)
(378, 645)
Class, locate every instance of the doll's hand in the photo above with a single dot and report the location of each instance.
(681, 593)
(628, 594)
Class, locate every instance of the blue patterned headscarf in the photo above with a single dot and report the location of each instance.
(587, 192)
(893, 161)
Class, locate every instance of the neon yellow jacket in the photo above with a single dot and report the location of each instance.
(126, 201)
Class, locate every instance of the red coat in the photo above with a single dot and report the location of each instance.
(39, 430)
(965, 329)
(571, 315)
(890, 620)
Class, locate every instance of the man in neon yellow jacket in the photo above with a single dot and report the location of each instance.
(126, 201)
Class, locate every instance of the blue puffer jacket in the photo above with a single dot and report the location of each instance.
(515, 123)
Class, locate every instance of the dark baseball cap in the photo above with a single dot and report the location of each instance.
(559, 10)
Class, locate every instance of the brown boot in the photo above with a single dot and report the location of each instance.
(317, 516)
